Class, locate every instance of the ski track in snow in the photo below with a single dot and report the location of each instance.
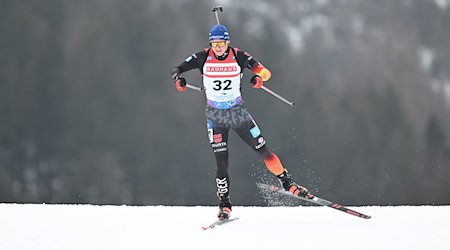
(67, 227)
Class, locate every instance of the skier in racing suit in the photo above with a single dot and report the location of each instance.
(222, 67)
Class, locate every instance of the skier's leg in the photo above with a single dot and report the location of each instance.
(220, 149)
(218, 136)
(251, 134)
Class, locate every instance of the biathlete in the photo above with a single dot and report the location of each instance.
(222, 68)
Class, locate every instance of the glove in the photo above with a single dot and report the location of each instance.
(256, 81)
(180, 83)
(175, 73)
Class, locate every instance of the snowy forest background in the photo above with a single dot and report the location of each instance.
(89, 114)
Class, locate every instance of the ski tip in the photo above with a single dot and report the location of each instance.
(360, 215)
(219, 222)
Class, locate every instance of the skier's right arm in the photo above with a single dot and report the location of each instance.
(195, 61)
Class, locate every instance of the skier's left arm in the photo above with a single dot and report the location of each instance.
(195, 61)
(262, 74)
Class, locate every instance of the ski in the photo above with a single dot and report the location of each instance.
(314, 199)
(218, 223)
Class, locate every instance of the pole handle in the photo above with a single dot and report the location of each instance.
(215, 10)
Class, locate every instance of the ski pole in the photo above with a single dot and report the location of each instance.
(215, 10)
(199, 89)
(277, 95)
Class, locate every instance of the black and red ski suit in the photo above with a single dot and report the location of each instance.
(223, 77)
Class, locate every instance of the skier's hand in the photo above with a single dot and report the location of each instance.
(175, 73)
(180, 83)
(256, 81)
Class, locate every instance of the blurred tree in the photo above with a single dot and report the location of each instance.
(89, 114)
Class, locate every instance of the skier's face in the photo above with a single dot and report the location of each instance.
(219, 46)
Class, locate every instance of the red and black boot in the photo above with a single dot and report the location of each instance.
(291, 186)
(224, 208)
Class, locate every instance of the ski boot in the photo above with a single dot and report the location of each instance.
(224, 208)
(290, 186)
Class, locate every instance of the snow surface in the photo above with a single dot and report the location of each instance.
(51, 227)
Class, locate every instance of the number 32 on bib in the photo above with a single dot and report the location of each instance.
(222, 82)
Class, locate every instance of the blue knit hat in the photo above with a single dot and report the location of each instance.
(219, 32)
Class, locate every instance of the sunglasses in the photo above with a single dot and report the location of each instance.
(218, 44)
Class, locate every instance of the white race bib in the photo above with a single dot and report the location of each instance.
(222, 81)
